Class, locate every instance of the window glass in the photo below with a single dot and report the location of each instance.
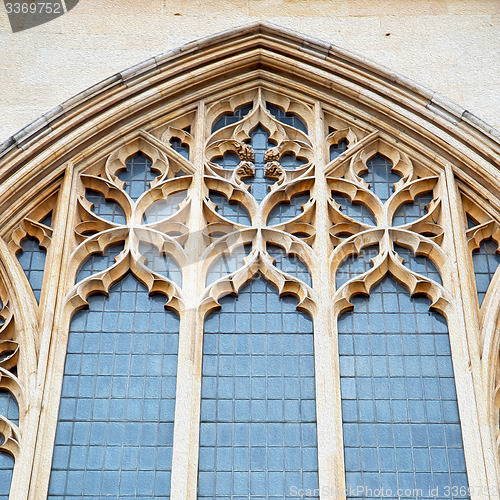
(32, 260)
(258, 420)
(486, 261)
(137, 176)
(399, 406)
(115, 429)
(380, 177)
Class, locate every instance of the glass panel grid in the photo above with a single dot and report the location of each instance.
(284, 212)
(115, 430)
(227, 264)
(8, 406)
(380, 177)
(229, 119)
(355, 211)
(290, 161)
(289, 264)
(137, 176)
(287, 118)
(6, 468)
(229, 160)
(470, 222)
(337, 149)
(486, 261)
(410, 212)
(400, 416)
(182, 149)
(47, 220)
(234, 212)
(97, 262)
(32, 260)
(418, 264)
(107, 209)
(258, 422)
(354, 265)
(161, 263)
(161, 209)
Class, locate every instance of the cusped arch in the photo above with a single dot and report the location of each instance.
(144, 107)
(91, 122)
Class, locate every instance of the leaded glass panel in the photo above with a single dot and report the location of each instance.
(486, 260)
(115, 429)
(105, 208)
(32, 260)
(399, 406)
(258, 423)
(138, 175)
(230, 118)
(234, 212)
(380, 177)
(6, 468)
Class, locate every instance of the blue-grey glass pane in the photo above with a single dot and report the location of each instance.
(162, 209)
(181, 148)
(6, 468)
(289, 264)
(355, 211)
(259, 185)
(284, 211)
(8, 407)
(32, 260)
(410, 212)
(107, 209)
(355, 265)
(380, 177)
(227, 264)
(258, 421)
(399, 406)
(418, 264)
(137, 176)
(47, 220)
(287, 118)
(97, 262)
(234, 212)
(290, 161)
(230, 118)
(161, 263)
(229, 160)
(470, 222)
(337, 149)
(486, 261)
(116, 415)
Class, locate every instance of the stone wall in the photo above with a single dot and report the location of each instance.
(450, 46)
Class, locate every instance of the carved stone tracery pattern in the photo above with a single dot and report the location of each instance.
(258, 180)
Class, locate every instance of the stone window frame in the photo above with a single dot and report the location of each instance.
(142, 109)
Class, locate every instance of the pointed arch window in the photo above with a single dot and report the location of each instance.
(253, 282)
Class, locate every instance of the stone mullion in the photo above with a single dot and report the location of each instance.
(326, 352)
(23, 307)
(54, 323)
(188, 393)
(464, 339)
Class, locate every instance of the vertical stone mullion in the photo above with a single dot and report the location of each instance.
(188, 393)
(326, 357)
(464, 340)
(54, 325)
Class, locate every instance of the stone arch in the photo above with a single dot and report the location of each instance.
(374, 109)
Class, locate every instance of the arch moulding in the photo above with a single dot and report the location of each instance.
(435, 145)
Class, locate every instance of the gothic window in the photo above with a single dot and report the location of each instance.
(250, 270)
